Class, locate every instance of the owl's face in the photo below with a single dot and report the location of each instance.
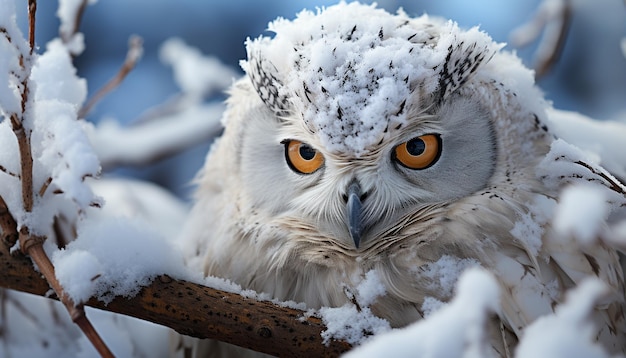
(437, 157)
(359, 122)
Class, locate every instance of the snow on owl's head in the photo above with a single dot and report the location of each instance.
(371, 117)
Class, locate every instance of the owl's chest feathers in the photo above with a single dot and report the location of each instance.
(294, 261)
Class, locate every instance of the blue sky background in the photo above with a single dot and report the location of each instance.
(591, 77)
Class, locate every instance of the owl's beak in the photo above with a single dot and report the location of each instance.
(354, 212)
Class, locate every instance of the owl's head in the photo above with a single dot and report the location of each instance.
(359, 120)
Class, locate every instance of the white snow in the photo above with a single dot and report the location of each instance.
(118, 257)
(355, 323)
(197, 75)
(12, 73)
(553, 170)
(603, 140)
(569, 331)
(10, 170)
(443, 274)
(581, 213)
(61, 153)
(369, 289)
(61, 150)
(141, 202)
(351, 324)
(453, 331)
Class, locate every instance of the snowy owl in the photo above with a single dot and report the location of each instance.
(363, 141)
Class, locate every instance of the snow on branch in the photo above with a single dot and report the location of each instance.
(155, 139)
(174, 126)
(200, 311)
(49, 149)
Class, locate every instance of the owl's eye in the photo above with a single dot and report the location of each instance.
(301, 157)
(420, 152)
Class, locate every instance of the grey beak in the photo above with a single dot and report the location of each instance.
(354, 212)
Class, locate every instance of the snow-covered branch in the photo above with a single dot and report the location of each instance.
(152, 140)
(200, 311)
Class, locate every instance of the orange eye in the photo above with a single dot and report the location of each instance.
(419, 152)
(302, 158)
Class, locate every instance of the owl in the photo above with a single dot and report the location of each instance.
(361, 141)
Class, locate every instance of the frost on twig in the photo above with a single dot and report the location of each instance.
(153, 140)
(40, 100)
(183, 121)
(552, 18)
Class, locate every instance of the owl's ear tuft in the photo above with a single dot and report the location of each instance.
(463, 59)
(264, 77)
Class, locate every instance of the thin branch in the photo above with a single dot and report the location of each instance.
(612, 183)
(26, 158)
(44, 187)
(133, 55)
(8, 172)
(32, 10)
(33, 247)
(550, 48)
(200, 311)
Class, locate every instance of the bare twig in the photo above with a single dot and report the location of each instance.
(200, 311)
(553, 19)
(44, 187)
(612, 184)
(26, 157)
(8, 172)
(550, 50)
(132, 57)
(32, 10)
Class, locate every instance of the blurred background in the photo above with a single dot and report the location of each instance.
(589, 78)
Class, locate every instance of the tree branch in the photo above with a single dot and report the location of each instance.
(32, 10)
(135, 49)
(553, 19)
(199, 311)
